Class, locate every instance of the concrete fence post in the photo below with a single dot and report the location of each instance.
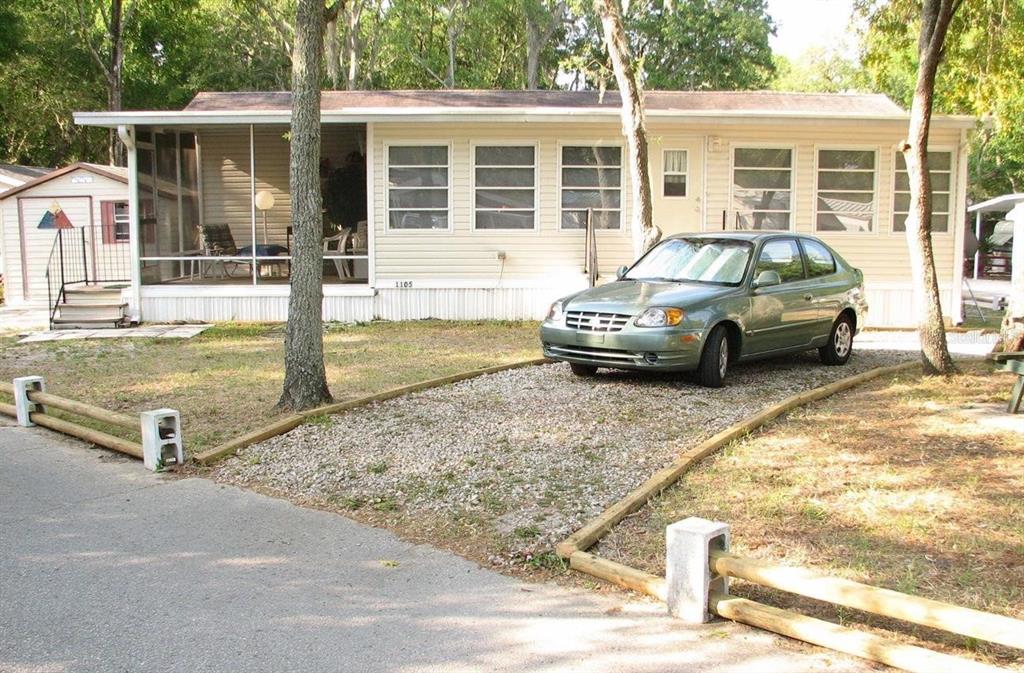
(23, 385)
(687, 568)
(161, 438)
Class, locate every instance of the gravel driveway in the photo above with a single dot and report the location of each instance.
(530, 454)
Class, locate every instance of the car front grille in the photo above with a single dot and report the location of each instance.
(605, 356)
(590, 321)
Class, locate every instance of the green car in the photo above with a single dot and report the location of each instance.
(701, 302)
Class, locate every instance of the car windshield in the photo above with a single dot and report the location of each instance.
(700, 260)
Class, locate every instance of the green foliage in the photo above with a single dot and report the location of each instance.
(819, 70)
(980, 75)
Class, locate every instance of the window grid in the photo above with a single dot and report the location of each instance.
(563, 209)
(494, 167)
(391, 167)
(787, 191)
(862, 209)
(122, 223)
(899, 215)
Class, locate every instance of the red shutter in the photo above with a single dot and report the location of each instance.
(107, 222)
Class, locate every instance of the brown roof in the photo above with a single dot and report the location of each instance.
(118, 173)
(683, 101)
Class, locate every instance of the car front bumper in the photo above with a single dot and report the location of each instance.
(640, 348)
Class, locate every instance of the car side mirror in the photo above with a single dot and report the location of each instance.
(767, 279)
(621, 271)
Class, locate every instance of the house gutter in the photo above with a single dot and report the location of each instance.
(127, 135)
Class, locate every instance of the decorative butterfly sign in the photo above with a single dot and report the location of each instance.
(55, 218)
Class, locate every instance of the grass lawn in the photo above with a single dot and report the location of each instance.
(893, 484)
(226, 381)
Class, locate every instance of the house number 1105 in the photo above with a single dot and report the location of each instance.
(403, 283)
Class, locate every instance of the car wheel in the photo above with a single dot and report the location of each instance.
(582, 370)
(714, 361)
(840, 343)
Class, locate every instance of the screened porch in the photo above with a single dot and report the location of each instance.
(223, 216)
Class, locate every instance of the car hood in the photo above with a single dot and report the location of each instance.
(632, 296)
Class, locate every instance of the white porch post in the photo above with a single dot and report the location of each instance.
(977, 237)
(127, 136)
(371, 199)
(1017, 262)
(252, 200)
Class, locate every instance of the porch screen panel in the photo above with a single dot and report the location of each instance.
(940, 169)
(762, 187)
(591, 179)
(505, 193)
(418, 184)
(846, 191)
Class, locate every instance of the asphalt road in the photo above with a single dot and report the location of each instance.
(107, 567)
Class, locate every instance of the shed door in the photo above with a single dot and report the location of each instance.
(677, 183)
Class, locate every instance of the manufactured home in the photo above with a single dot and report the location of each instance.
(475, 204)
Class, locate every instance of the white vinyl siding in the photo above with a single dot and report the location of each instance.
(940, 169)
(504, 187)
(762, 187)
(591, 180)
(675, 172)
(418, 186)
(846, 190)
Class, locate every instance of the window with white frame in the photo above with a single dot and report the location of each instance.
(418, 183)
(591, 182)
(674, 167)
(762, 187)
(846, 190)
(940, 168)
(505, 187)
(121, 221)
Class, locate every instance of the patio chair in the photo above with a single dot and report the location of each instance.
(216, 241)
(338, 244)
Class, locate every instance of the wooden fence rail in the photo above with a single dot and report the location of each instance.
(885, 602)
(97, 437)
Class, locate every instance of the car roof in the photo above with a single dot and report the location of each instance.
(740, 235)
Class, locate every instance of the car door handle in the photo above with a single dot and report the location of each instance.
(809, 297)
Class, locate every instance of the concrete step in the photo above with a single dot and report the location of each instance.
(92, 294)
(78, 323)
(92, 311)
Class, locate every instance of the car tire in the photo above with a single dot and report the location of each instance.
(582, 370)
(840, 343)
(714, 360)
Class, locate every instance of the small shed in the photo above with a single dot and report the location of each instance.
(89, 204)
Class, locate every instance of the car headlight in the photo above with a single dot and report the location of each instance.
(556, 312)
(660, 317)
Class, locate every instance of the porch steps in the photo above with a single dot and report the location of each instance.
(90, 307)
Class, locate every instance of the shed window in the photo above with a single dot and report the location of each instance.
(114, 221)
(418, 182)
(591, 180)
(940, 169)
(846, 190)
(674, 170)
(505, 193)
(762, 187)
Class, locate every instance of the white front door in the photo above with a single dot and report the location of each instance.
(677, 183)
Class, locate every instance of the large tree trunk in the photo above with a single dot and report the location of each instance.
(1011, 334)
(305, 378)
(645, 233)
(935, 18)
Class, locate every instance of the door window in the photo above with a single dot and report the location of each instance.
(783, 257)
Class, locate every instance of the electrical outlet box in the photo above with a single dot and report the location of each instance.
(500, 255)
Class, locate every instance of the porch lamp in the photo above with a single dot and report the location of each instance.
(264, 202)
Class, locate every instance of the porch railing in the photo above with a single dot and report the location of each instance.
(75, 259)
